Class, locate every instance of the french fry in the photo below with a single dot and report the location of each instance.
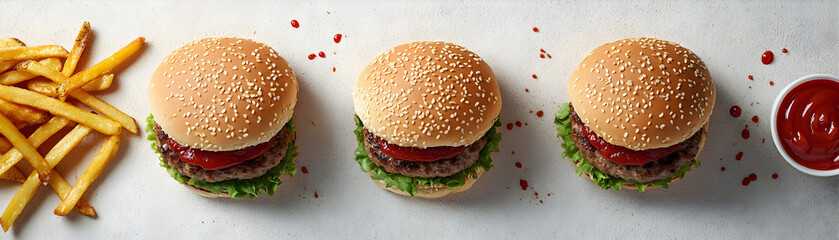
(101, 83)
(54, 106)
(76, 52)
(13, 174)
(9, 42)
(10, 158)
(5, 145)
(47, 88)
(30, 53)
(85, 76)
(17, 76)
(97, 165)
(22, 114)
(21, 198)
(61, 188)
(25, 147)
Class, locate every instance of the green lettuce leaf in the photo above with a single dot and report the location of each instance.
(236, 188)
(406, 184)
(563, 130)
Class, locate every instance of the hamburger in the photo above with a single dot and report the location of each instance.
(638, 114)
(426, 117)
(221, 117)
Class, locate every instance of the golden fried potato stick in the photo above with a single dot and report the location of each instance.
(62, 189)
(25, 148)
(101, 83)
(5, 145)
(21, 198)
(30, 53)
(45, 87)
(10, 158)
(13, 174)
(9, 42)
(22, 114)
(100, 161)
(78, 49)
(103, 67)
(17, 76)
(54, 106)
(93, 102)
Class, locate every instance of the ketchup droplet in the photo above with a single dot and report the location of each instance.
(745, 133)
(542, 55)
(746, 181)
(526, 90)
(509, 126)
(549, 55)
(767, 57)
(751, 77)
(540, 114)
(316, 195)
(321, 54)
(337, 37)
(534, 76)
(518, 165)
(734, 111)
(542, 50)
(295, 24)
(775, 176)
(784, 50)
(535, 29)
(518, 124)
(722, 169)
(333, 69)
(304, 170)
(771, 83)
(753, 177)
(755, 119)
(312, 56)
(739, 156)
(523, 184)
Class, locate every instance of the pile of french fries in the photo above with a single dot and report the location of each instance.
(35, 81)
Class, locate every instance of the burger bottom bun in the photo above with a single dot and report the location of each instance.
(433, 191)
(223, 194)
(701, 145)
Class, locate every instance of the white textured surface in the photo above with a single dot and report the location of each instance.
(135, 198)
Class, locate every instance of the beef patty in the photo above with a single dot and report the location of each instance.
(440, 168)
(660, 169)
(249, 169)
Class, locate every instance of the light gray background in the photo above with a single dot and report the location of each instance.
(135, 198)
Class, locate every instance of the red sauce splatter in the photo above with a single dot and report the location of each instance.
(540, 201)
(337, 37)
(745, 133)
(755, 119)
(751, 77)
(746, 181)
(775, 175)
(549, 55)
(509, 126)
(535, 29)
(784, 50)
(523, 184)
(767, 57)
(513, 152)
(534, 76)
(333, 69)
(540, 113)
(295, 24)
(316, 195)
(536, 194)
(526, 90)
(312, 56)
(722, 169)
(321, 54)
(739, 156)
(763, 140)
(734, 111)
(542, 50)
(753, 177)
(549, 194)
(304, 170)
(771, 83)
(542, 55)
(518, 124)
(518, 165)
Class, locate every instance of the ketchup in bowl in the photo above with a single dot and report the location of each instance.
(808, 124)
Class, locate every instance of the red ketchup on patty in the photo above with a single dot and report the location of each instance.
(808, 124)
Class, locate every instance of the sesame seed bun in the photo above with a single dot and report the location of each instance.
(642, 93)
(222, 94)
(427, 94)
(433, 191)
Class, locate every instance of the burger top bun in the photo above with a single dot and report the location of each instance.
(222, 94)
(642, 93)
(428, 94)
